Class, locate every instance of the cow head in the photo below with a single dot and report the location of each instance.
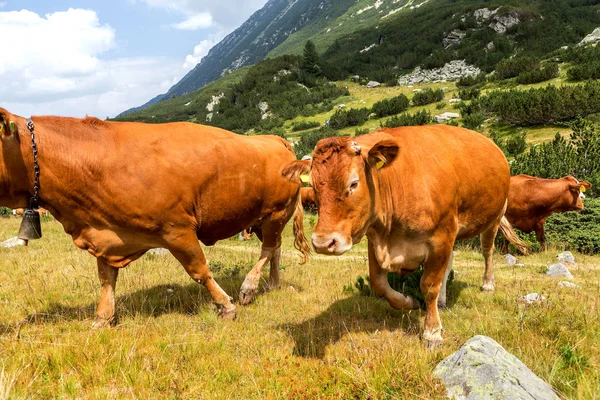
(343, 176)
(13, 176)
(575, 193)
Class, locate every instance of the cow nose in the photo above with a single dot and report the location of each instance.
(331, 244)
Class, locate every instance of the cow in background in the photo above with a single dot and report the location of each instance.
(307, 194)
(120, 189)
(413, 191)
(532, 200)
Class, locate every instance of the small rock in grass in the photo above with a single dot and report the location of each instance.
(482, 369)
(510, 259)
(12, 242)
(559, 270)
(292, 289)
(568, 284)
(567, 257)
(533, 298)
(159, 251)
(520, 265)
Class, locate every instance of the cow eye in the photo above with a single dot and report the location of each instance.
(353, 185)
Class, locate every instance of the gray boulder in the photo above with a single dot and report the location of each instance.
(373, 84)
(559, 270)
(501, 22)
(533, 298)
(453, 38)
(566, 257)
(482, 369)
(566, 284)
(12, 242)
(159, 251)
(510, 259)
(483, 14)
(593, 37)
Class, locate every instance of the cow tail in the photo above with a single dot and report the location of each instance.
(510, 235)
(300, 242)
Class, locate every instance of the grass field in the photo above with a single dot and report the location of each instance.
(309, 339)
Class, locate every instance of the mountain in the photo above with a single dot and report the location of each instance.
(282, 27)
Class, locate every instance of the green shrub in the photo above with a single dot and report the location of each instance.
(469, 94)
(302, 126)
(419, 118)
(309, 140)
(392, 106)
(428, 96)
(549, 71)
(473, 121)
(351, 117)
(517, 144)
(545, 105)
(590, 70)
(440, 105)
(468, 81)
(5, 211)
(576, 230)
(512, 67)
(359, 131)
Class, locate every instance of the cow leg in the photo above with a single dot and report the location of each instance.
(435, 269)
(105, 314)
(274, 282)
(504, 246)
(250, 285)
(487, 248)
(271, 229)
(541, 236)
(381, 286)
(442, 297)
(190, 255)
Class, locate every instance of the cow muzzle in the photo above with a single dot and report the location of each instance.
(333, 244)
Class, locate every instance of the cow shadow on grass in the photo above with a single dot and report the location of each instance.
(154, 301)
(366, 314)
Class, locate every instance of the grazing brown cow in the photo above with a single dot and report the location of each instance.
(531, 200)
(120, 189)
(308, 198)
(413, 191)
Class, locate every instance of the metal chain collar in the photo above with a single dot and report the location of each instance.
(35, 200)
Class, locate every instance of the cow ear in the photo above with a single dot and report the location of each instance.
(296, 170)
(7, 125)
(382, 154)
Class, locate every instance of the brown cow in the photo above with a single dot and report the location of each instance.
(308, 198)
(120, 189)
(531, 200)
(413, 191)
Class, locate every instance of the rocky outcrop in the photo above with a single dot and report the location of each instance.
(482, 369)
(593, 37)
(501, 22)
(453, 38)
(447, 116)
(483, 14)
(451, 71)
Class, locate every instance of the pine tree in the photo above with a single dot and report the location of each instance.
(310, 62)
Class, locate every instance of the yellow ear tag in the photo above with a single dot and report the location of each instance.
(379, 164)
(13, 128)
(1, 127)
(582, 189)
(304, 178)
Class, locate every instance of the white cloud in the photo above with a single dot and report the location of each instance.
(200, 50)
(2, 4)
(225, 14)
(52, 65)
(195, 22)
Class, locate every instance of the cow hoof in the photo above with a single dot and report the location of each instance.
(432, 340)
(247, 296)
(100, 323)
(487, 287)
(227, 313)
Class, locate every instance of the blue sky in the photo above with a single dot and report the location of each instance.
(77, 58)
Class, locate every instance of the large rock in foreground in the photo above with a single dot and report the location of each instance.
(482, 369)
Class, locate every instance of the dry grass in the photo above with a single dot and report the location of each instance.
(309, 339)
